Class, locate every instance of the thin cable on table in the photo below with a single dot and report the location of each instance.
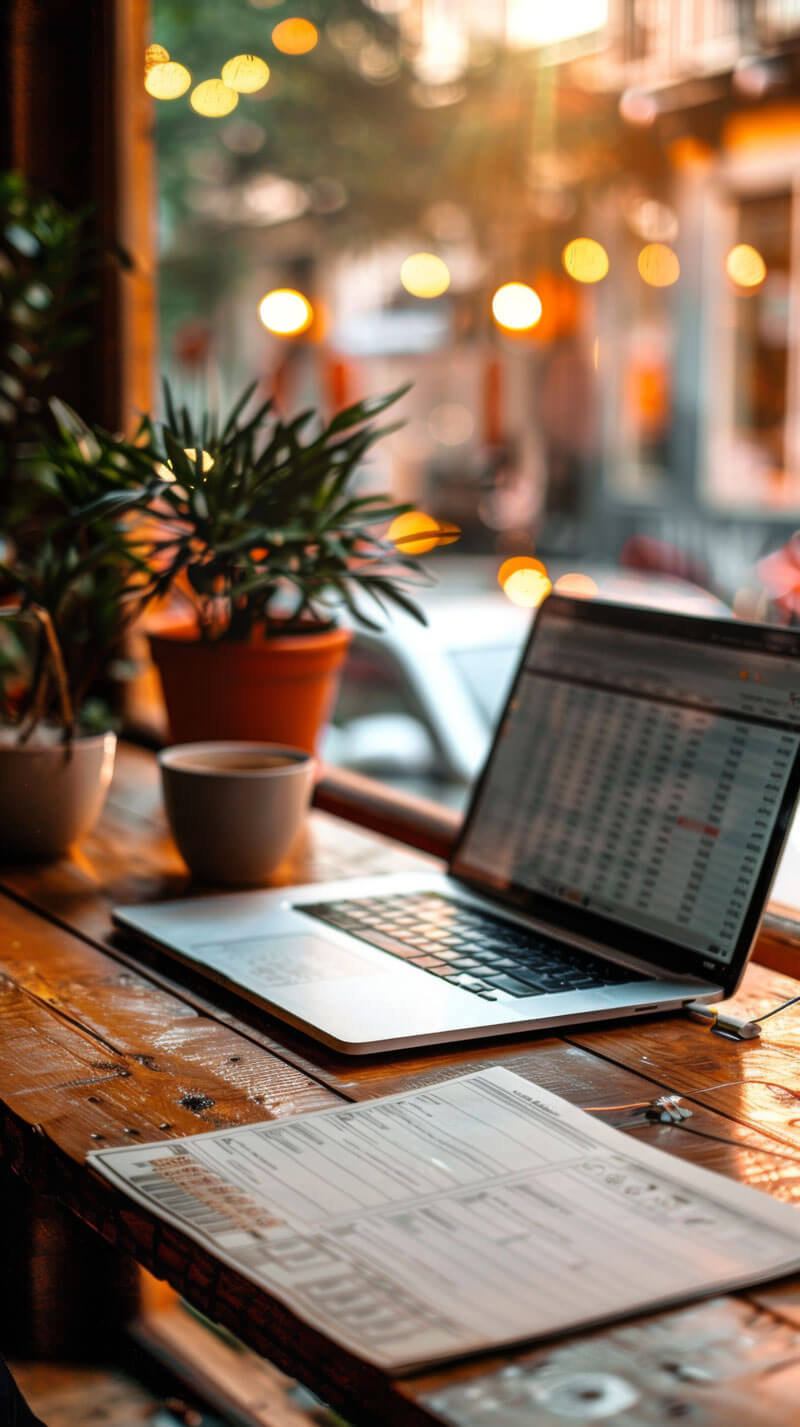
(692, 1130)
(775, 1009)
(738, 1144)
(644, 1104)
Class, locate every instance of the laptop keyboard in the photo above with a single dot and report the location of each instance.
(496, 959)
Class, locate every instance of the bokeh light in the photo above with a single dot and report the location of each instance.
(415, 533)
(654, 222)
(516, 307)
(207, 461)
(637, 106)
(213, 98)
(451, 424)
(448, 533)
(745, 266)
(658, 265)
(245, 73)
(285, 312)
(153, 55)
(243, 136)
(524, 581)
(167, 81)
(295, 36)
(585, 260)
(581, 587)
(425, 275)
(166, 472)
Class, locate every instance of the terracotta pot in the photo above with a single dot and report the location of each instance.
(49, 800)
(277, 690)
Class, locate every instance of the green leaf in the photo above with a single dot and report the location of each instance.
(364, 410)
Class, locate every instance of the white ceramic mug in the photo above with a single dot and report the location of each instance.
(235, 809)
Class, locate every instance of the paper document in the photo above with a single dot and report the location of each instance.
(457, 1218)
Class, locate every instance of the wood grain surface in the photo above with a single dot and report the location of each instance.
(102, 1043)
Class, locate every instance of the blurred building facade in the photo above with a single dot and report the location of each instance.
(660, 399)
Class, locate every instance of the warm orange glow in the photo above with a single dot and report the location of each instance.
(425, 275)
(447, 532)
(153, 55)
(516, 307)
(659, 265)
(295, 36)
(415, 533)
(768, 126)
(690, 152)
(213, 99)
(524, 581)
(585, 260)
(167, 81)
(518, 562)
(285, 313)
(581, 587)
(745, 266)
(560, 301)
(245, 73)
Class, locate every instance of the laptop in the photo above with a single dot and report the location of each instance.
(615, 860)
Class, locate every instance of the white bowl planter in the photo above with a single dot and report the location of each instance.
(50, 798)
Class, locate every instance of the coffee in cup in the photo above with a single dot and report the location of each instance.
(235, 809)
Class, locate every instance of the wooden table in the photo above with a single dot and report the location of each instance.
(101, 1044)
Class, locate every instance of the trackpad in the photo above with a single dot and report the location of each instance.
(261, 961)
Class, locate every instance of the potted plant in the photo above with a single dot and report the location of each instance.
(70, 578)
(70, 582)
(262, 536)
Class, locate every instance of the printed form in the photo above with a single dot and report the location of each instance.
(457, 1218)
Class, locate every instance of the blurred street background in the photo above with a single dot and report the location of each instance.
(575, 228)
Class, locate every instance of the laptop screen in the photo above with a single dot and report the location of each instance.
(642, 780)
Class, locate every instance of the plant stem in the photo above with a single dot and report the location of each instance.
(62, 683)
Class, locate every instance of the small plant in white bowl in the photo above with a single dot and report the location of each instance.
(70, 583)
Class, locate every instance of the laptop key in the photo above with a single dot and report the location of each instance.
(387, 943)
(513, 986)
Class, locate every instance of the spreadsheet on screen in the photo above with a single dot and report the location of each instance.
(639, 779)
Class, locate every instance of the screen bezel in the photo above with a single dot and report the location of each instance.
(562, 916)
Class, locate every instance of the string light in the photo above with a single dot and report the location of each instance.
(285, 312)
(153, 55)
(207, 460)
(516, 307)
(745, 266)
(585, 260)
(524, 581)
(295, 36)
(245, 73)
(166, 472)
(658, 265)
(167, 81)
(213, 99)
(581, 587)
(425, 275)
(415, 533)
